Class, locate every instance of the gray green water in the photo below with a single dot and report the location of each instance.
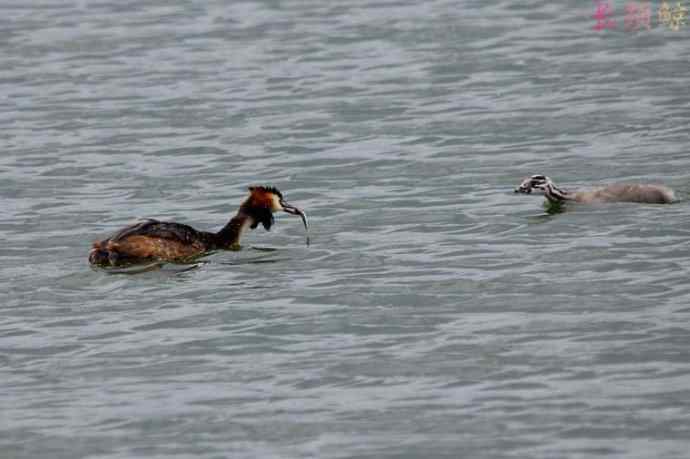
(435, 314)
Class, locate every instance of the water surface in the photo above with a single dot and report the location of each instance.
(435, 313)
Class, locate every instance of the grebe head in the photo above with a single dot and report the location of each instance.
(263, 201)
(539, 182)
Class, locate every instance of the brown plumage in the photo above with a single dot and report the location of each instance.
(167, 241)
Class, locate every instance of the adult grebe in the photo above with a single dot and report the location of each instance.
(167, 241)
(652, 194)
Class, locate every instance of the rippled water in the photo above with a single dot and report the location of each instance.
(435, 314)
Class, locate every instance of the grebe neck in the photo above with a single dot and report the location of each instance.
(555, 194)
(229, 236)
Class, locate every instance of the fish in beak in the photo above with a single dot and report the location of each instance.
(295, 211)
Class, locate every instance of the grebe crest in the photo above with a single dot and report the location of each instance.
(264, 201)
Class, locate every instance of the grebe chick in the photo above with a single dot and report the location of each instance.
(651, 194)
(175, 242)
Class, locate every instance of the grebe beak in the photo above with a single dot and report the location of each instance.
(295, 211)
(525, 186)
